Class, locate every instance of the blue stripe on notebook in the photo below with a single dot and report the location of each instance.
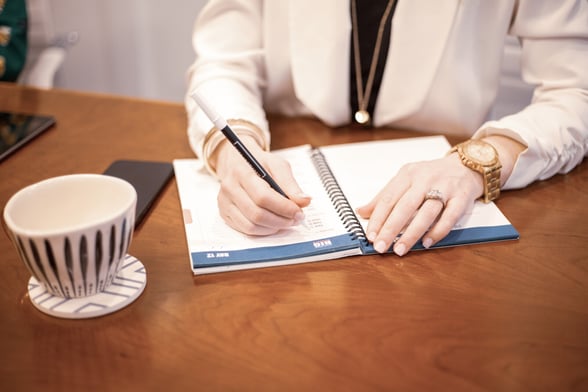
(274, 253)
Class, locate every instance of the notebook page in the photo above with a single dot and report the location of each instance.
(206, 230)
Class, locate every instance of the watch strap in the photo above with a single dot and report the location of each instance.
(491, 183)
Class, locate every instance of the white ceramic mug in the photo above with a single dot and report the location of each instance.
(73, 231)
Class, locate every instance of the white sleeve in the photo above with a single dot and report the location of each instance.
(229, 66)
(554, 127)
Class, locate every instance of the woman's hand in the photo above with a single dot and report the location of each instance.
(401, 213)
(400, 208)
(246, 202)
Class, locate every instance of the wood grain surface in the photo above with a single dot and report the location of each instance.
(509, 316)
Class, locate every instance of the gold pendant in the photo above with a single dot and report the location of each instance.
(362, 117)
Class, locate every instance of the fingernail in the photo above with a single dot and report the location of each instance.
(427, 242)
(380, 247)
(371, 236)
(400, 249)
(303, 195)
(299, 217)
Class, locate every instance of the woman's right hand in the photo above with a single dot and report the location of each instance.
(246, 202)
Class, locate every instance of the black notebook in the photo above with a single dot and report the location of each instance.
(339, 178)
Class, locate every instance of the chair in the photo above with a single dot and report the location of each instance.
(47, 50)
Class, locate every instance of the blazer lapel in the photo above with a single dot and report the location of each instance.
(319, 44)
(419, 35)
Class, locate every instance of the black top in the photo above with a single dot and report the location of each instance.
(369, 14)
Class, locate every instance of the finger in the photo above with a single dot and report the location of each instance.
(424, 218)
(262, 222)
(235, 219)
(282, 173)
(257, 202)
(260, 196)
(248, 203)
(381, 208)
(366, 211)
(385, 194)
(455, 209)
(397, 219)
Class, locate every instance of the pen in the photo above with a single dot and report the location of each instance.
(224, 127)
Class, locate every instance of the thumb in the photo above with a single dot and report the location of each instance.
(290, 186)
(301, 199)
(281, 171)
(294, 191)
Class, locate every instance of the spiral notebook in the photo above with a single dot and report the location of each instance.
(339, 178)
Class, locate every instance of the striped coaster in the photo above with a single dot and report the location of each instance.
(125, 288)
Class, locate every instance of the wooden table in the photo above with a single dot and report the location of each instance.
(507, 316)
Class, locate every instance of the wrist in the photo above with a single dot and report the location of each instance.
(215, 141)
(508, 150)
(462, 171)
(483, 159)
(227, 157)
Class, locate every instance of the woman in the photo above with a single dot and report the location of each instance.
(13, 39)
(421, 64)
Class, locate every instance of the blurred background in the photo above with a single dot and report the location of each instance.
(142, 48)
(137, 48)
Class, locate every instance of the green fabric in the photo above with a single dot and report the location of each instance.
(13, 38)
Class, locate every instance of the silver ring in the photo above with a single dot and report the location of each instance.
(435, 194)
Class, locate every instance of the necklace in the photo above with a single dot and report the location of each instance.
(362, 116)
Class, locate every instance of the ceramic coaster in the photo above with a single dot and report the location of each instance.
(125, 288)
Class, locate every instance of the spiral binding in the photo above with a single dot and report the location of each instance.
(337, 196)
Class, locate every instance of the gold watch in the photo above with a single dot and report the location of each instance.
(483, 158)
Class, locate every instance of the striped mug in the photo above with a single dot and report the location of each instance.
(72, 232)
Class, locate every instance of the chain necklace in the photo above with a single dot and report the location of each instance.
(362, 116)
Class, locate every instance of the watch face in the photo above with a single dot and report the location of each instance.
(481, 152)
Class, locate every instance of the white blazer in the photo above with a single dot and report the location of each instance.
(442, 71)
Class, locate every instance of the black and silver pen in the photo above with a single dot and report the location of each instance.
(224, 127)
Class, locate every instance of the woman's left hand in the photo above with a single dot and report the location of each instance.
(402, 212)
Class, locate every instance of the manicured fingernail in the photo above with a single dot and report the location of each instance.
(400, 249)
(380, 247)
(371, 236)
(427, 242)
(303, 195)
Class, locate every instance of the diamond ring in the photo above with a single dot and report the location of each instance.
(435, 194)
